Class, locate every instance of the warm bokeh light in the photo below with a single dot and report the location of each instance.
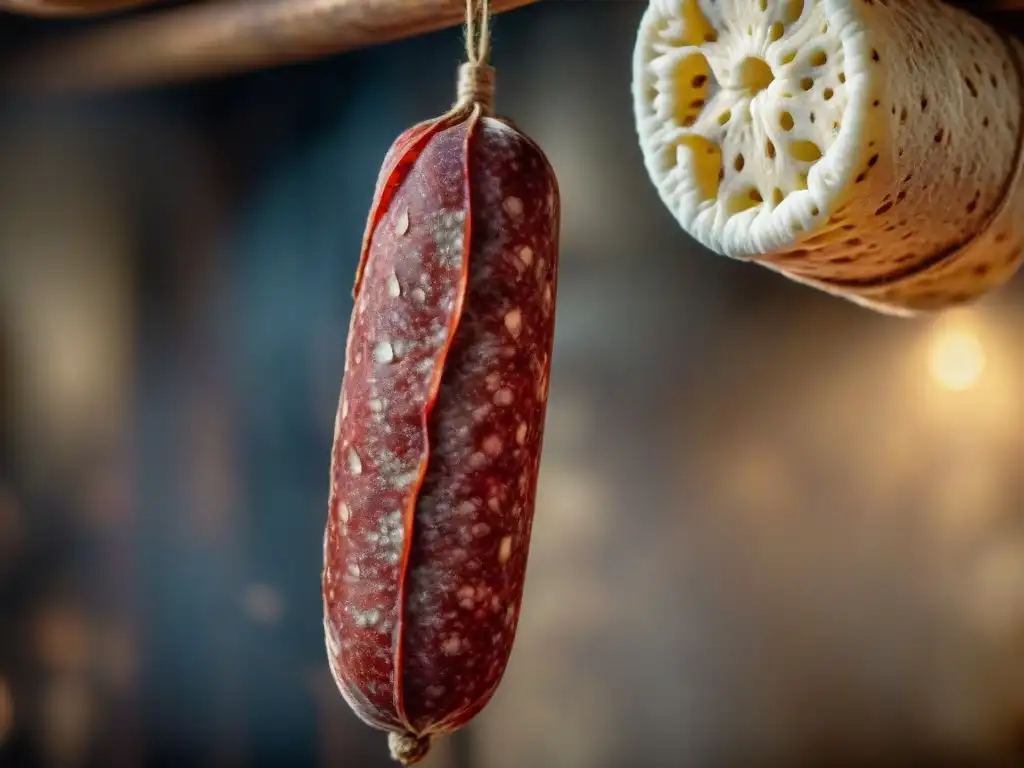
(957, 357)
(6, 710)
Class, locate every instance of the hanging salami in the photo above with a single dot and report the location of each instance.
(440, 423)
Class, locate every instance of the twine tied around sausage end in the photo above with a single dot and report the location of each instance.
(408, 748)
(476, 76)
(476, 86)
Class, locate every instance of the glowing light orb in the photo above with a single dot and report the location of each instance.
(957, 360)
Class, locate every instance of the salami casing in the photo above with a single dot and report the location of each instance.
(439, 428)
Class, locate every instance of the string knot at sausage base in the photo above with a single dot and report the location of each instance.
(407, 748)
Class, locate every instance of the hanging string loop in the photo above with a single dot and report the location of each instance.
(476, 76)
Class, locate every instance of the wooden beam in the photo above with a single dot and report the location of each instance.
(216, 38)
(229, 36)
(71, 8)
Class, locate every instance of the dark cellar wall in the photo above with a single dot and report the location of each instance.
(763, 538)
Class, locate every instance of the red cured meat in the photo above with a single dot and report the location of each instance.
(440, 425)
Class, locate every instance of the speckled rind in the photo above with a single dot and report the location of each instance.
(440, 424)
(874, 160)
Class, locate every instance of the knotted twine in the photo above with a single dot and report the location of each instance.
(476, 75)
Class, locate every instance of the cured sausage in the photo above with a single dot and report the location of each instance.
(440, 424)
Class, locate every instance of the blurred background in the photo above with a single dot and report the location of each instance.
(773, 529)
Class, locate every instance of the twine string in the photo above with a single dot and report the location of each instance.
(478, 32)
(476, 76)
